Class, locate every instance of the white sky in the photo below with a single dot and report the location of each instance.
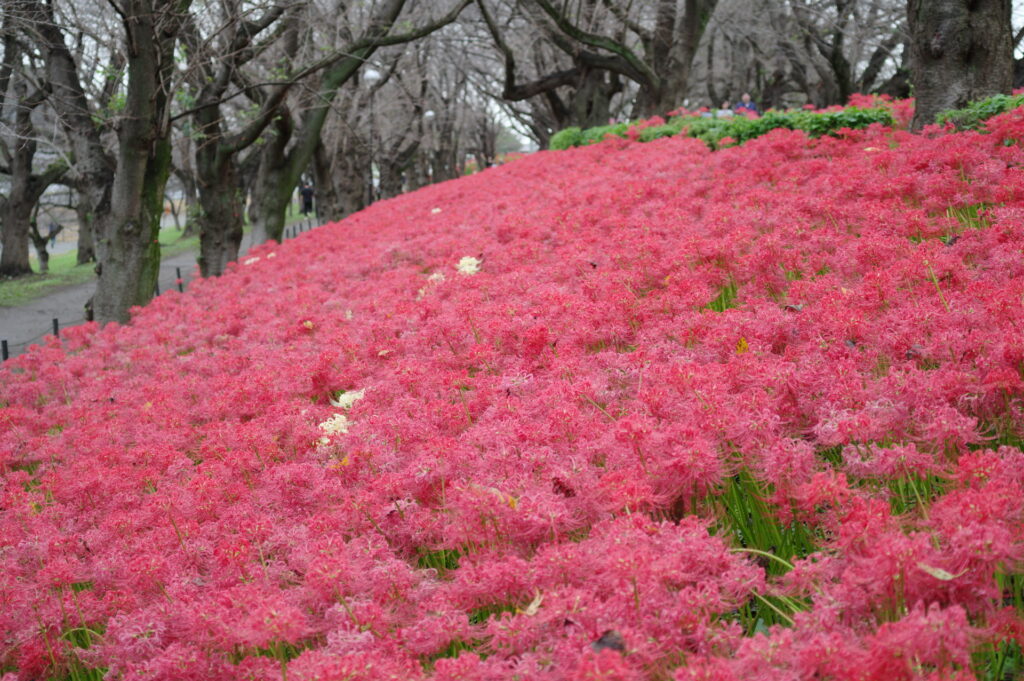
(1018, 21)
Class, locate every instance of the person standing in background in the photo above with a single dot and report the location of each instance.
(54, 230)
(746, 105)
(306, 192)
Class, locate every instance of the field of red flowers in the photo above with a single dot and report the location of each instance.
(627, 411)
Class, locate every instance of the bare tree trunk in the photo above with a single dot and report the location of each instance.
(591, 103)
(215, 188)
(960, 51)
(129, 250)
(673, 46)
(418, 173)
(220, 203)
(393, 168)
(129, 253)
(25, 188)
(444, 161)
(40, 242)
(86, 231)
(273, 188)
(15, 236)
(220, 215)
(93, 171)
(270, 198)
(190, 203)
(347, 177)
(354, 189)
(328, 186)
(25, 191)
(390, 180)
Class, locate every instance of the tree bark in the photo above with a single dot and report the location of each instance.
(330, 185)
(40, 241)
(274, 185)
(220, 199)
(960, 51)
(674, 45)
(128, 245)
(393, 168)
(190, 201)
(16, 215)
(220, 215)
(86, 231)
(591, 103)
(26, 189)
(354, 190)
(341, 186)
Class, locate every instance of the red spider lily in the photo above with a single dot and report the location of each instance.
(758, 412)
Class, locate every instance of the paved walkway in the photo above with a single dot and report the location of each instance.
(27, 324)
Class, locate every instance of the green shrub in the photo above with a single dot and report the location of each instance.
(673, 127)
(563, 139)
(739, 129)
(974, 115)
(599, 132)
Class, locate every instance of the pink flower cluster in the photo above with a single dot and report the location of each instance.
(488, 431)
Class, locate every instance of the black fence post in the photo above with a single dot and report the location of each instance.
(56, 328)
(157, 287)
(181, 282)
(4, 351)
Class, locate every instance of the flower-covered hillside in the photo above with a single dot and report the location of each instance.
(628, 411)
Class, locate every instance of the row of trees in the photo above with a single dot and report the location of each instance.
(239, 100)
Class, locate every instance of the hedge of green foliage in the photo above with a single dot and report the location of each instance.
(577, 137)
(737, 128)
(974, 115)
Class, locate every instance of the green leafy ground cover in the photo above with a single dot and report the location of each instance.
(720, 132)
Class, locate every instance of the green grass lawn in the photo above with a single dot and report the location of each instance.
(64, 272)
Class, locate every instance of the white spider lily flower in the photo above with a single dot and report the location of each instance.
(336, 424)
(346, 399)
(468, 265)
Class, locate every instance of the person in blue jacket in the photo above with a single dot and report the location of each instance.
(746, 105)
